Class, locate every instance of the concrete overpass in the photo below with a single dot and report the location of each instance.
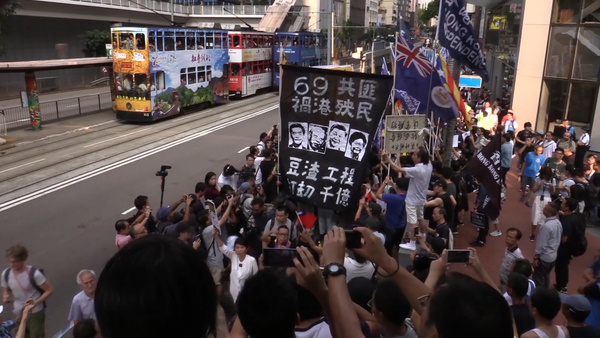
(128, 12)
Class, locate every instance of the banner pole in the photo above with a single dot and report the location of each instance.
(281, 56)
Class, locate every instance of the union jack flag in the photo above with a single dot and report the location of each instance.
(412, 56)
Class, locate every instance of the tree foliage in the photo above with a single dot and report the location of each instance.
(9, 8)
(430, 12)
(94, 42)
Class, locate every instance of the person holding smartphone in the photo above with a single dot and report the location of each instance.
(243, 266)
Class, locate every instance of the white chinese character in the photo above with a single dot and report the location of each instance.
(344, 107)
(305, 105)
(296, 105)
(343, 195)
(347, 176)
(313, 171)
(294, 166)
(326, 193)
(366, 89)
(309, 191)
(364, 109)
(300, 190)
(324, 106)
(346, 85)
(292, 186)
(332, 171)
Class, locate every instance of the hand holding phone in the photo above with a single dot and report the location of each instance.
(459, 256)
(353, 239)
(279, 257)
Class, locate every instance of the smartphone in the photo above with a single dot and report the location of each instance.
(279, 257)
(459, 256)
(353, 239)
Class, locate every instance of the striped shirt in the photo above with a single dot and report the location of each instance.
(510, 256)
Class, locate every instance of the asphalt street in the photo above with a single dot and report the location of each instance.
(73, 228)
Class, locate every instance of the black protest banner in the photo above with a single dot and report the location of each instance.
(328, 121)
(485, 167)
(456, 34)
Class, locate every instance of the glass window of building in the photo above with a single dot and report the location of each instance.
(566, 11)
(560, 51)
(590, 12)
(587, 57)
(582, 101)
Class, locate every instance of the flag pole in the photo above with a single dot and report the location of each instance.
(281, 56)
(434, 45)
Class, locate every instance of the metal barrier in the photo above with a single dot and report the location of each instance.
(3, 129)
(55, 110)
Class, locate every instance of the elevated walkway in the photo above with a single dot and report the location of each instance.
(140, 12)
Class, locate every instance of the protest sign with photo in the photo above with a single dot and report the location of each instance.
(329, 119)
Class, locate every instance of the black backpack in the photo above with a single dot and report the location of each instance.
(577, 243)
(591, 195)
(32, 271)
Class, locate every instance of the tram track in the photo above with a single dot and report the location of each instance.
(78, 156)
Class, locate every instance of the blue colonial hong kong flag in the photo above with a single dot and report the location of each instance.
(417, 82)
(456, 34)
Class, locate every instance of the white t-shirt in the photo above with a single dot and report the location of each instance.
(22, 289)
(355, 269)
(530, 289)
(419, 176)
(319, 329)
(549, 148)
(230, 181)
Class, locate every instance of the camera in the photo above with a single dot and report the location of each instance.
(163, 171)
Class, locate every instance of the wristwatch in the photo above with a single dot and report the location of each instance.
(334, 269)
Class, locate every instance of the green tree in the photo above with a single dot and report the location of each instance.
(94, 42)
(9, 8)
(430, 12)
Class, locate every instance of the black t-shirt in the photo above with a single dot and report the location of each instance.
(583, 332)
(449, 206)
(527, 150)
(150, 223)
(522, 135)
(523, 318)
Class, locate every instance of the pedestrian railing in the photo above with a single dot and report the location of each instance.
(3, 128)
(63, 332)
(184, 7)
(18, 117)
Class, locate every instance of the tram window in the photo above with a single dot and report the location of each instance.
(235, 69)
(225, 70)
(306, 41)
(295, 41)
(183, 77)
(245, 41)
(190, 41)
(169, 41)
(152, 43)
(141, 86)
(126, 40)
(201, 74)
(236, 41)
(200, 43)
(191, 75)
(269, 41)
(208, 73)
(140, 41)
(210, 41)
(180, 41)
(159, 42)
(160, 80)
(115, 41)
(218, 41)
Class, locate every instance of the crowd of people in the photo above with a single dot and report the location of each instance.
(238, 258)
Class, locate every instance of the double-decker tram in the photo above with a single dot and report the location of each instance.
(159, 71)
(251, 62)
(304, 49)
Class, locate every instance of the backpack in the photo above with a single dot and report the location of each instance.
(591, 195)
(577, 243)
(32, 271)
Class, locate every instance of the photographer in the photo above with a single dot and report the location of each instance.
(267, 174)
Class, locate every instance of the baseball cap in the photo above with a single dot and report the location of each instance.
(586, 127)
(244, 187)
(576, 302)
(163, 213)
(540, 132)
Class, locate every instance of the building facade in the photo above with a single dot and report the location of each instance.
(371, 12)
(389, 12)
(558, 65)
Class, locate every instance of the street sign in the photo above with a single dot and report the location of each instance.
(470, 81)
(108, 50)
(104, 70)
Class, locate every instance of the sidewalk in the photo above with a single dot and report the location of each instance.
(56, 129)
(56, 96)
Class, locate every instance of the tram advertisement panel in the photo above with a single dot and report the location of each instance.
(186, 78)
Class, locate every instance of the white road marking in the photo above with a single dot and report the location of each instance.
(22, 165)
(65, 133)
(128, 211)
(243, 149)
(66, 183)
(114, 138)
